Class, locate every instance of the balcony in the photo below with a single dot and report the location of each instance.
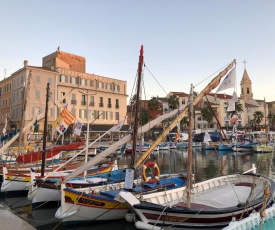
(100, 104)
(73, 102)
(109, 105)
(117, 106)
(83, 102)
(92, 103)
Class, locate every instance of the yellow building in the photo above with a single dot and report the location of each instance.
(105, 98)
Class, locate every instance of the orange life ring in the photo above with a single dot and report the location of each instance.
(157, 172)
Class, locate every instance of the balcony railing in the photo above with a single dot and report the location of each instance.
(83, 102)
(109, 105)
(73, 102)
(100, 104)
(117, 106)
(92, 103)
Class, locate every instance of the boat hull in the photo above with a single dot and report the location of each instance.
(214, 203)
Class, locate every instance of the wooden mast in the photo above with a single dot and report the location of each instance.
(136, 120)
(24, 103)
(45, 131)
(189, 156)
(212, 85)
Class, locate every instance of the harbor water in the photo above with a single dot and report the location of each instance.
(207, 164)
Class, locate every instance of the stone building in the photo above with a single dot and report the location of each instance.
(70, 86)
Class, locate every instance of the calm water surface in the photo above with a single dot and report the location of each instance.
(206, 165)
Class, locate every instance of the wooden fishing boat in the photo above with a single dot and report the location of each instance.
(214, 203)
(51, 153)
(48, 189)
(210, 204)
(99, 203)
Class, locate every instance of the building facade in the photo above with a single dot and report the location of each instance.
(23, 94)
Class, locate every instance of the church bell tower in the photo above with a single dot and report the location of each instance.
(246, 86)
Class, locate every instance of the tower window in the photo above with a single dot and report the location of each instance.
(247, 90)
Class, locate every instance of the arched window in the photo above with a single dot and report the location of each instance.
(247, 90)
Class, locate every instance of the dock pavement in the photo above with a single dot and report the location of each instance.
(8, 220)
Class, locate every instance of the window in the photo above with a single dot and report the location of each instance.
(83, 81)
(247, 90)
(92, 101)
(73, 102)
(82, 113)
(108, 86)
(100, 85)
(63, 97)
(73, 80)
(62, 78)
(101, 102)
(92, 83)
(117, 104)
(37, 79)
(117, 88)
(37, 94)
(95, 114)
(109, 115)
(102, 116)
(83, 99)
(183, 101)
(109, 103)
(117, 115)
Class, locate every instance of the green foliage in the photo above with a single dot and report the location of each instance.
(173, 102)
(258, 117)
(207, 114)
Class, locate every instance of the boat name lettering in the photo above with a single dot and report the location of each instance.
(91, 202)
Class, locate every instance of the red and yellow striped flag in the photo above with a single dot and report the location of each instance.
(68, 117)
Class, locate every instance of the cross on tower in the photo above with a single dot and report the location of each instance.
(244, 62)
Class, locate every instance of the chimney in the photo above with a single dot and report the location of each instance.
(25, 63)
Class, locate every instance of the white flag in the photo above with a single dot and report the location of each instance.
(78, 127)
(206, 138)
(5, 126)
(229, 81)
(232, 102)
(118, 126)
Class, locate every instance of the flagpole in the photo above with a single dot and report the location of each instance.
(45, 132)
(88, 130)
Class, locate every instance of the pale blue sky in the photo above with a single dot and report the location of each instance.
(184, 41)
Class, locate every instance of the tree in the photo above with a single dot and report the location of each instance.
(252, 123)
(133, 99)
(173, 102)
(144, 118)
(271, 120)
(207, 114)
(153, 105)
(184, 122)
(238, 108)
(258, 117)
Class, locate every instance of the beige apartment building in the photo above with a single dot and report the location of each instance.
(104, 98)
(5, 102)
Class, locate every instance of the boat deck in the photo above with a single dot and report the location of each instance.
(226, 196)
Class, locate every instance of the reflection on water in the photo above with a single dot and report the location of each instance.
(206, 165)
